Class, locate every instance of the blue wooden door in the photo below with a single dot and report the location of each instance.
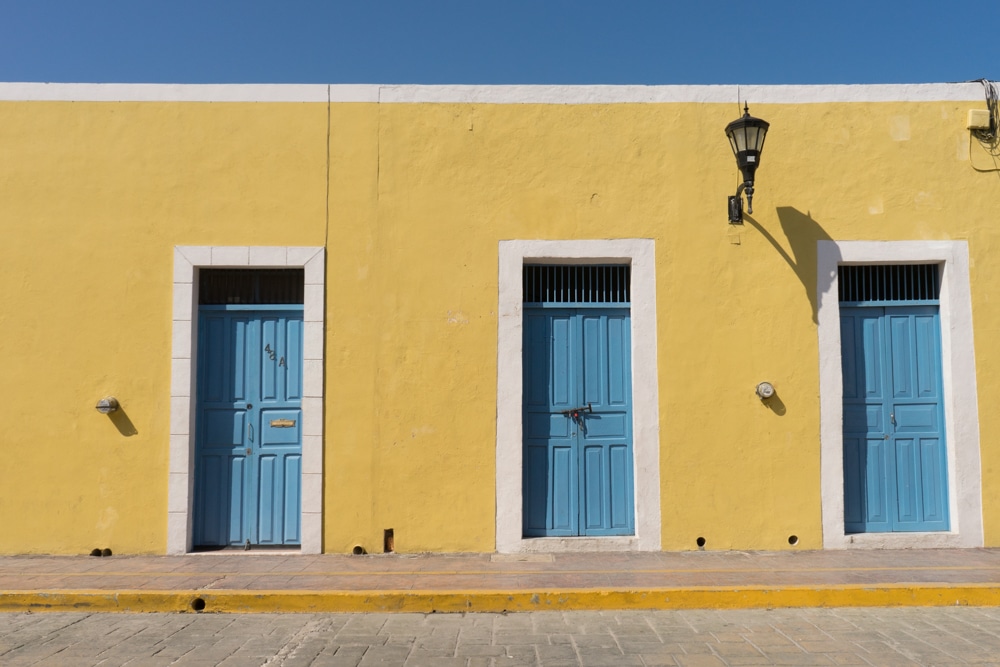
(895, 461)
(248, 444)
(577, 462)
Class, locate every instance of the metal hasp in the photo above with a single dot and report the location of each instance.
(575, 412)
(746, 137)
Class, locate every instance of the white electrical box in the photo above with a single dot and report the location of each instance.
(979, 119)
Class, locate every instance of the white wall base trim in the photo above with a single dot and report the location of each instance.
(184, 353)
(958, 365)
(640, 253)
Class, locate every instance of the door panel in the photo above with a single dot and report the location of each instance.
(864, 444)
(620, 508)
(535, 487)
(248, 443)
(577, 476)
(898, 482)
(563, 484)
(933, 472)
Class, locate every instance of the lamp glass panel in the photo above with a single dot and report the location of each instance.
(740, 138)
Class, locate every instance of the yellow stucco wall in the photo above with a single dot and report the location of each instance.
(95, 196)
(411, 204)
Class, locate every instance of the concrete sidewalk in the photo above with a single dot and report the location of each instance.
(270, 582)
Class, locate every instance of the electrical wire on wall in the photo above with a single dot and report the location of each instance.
(989, 138)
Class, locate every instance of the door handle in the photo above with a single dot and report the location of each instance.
(250, 432)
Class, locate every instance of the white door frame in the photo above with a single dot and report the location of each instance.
(184, 354)
(958, 374)
(640, 254)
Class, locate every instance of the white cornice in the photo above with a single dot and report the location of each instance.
(721, 94)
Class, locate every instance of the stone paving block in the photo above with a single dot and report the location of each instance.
(797, 659)
(384, 655)
(187, 661)
(768, 639)
(438, 630)
(847, 659)
(820, 645)
(348, 652)
(475, 636)
(550, 652)
(152, 662)
(979, 658)
(401, 640)
(504, 625)
(513, 638)
(435, 662)
(681, 635)
(699, 661)
(595, 641)
(791, 648)
(173, 650)
(695, 647)
(554, 628)
(602, 659)
(518, 654)
(642, 645)
(729, 650)
(728, 636)
(405, 623)
(665, 660)
(333, 661)
(28, 651)
(346, 638)
(432, 643)
(479, 650)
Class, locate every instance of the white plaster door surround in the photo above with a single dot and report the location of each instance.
(958, 371)
(184, 353)
(640, 254)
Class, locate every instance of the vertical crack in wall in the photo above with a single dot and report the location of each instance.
(378, 151)
(326, 240)
(376, 237)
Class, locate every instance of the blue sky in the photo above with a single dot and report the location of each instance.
(499, 42)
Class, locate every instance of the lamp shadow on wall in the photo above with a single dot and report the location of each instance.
(802, 233)
(121, 421)
(775, 405)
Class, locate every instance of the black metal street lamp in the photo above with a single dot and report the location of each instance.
(746, 136)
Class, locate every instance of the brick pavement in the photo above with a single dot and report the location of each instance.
(844, 636)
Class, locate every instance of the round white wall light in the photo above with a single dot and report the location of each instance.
(106, 405)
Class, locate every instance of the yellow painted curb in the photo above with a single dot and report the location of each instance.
(241, 601)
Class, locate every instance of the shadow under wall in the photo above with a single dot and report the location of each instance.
(802, 233)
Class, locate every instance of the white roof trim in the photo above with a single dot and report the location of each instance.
(722, 94)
